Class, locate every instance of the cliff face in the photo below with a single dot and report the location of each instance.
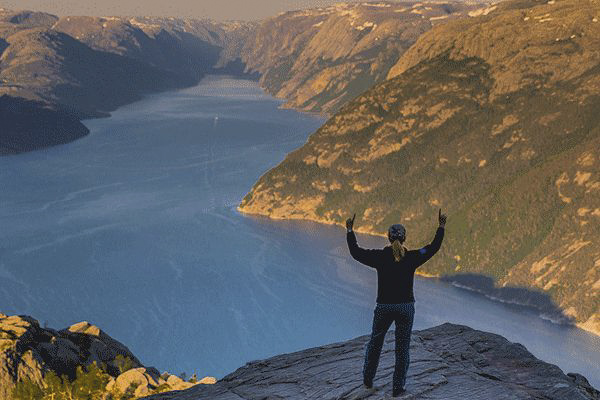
(319, 59)
(28, 353)
(447, 362)
(493, 118)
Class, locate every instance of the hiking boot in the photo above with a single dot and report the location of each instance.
(398, 392)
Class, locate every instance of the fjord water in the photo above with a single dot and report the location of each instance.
(134, 228)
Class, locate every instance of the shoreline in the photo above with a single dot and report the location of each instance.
(448, 279)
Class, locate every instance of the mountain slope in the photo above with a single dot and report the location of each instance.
(19, 132)
(88, 66)
(186, 47)
(508, 149)
(48, 65)
(319, 59)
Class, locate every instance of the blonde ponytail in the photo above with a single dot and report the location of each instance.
(398, 250)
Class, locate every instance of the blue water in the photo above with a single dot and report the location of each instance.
(134, 228)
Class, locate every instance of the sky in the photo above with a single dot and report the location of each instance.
(215, 9)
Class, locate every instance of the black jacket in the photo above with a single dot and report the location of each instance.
(394, 279)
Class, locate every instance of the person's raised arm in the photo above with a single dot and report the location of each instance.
(368, 257)
(425, 253)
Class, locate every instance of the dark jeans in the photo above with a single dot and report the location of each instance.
(384, 314)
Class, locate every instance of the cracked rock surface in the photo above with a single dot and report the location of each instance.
(447, 362)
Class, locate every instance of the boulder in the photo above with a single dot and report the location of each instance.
(85, 327)
(144, 380)
(134, 376)
(208, 380)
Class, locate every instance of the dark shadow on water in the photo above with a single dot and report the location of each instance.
(521, 296)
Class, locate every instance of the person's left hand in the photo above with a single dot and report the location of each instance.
(350, 223)
(442, 218)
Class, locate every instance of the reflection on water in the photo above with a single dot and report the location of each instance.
(134, 228)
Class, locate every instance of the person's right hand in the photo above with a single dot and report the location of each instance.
(442, 218)
(350, 223)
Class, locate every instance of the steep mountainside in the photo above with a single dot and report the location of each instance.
(448, 362)
(49, 65)
(49, 127)
(319, 59)
(188, 47)
(493, 118)
(71, 60)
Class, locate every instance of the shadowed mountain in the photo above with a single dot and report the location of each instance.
(28, 125)
(493, 118)
(88, 66)
(188, 50)
(49, 65)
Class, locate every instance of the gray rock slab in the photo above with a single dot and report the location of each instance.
(447, 362)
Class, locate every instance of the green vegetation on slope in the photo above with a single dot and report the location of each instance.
(89, 384)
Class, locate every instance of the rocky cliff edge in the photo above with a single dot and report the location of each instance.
(447, 362)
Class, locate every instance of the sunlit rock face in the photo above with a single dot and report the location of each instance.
(321, 58)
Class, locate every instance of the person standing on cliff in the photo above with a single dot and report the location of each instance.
(395, 267)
